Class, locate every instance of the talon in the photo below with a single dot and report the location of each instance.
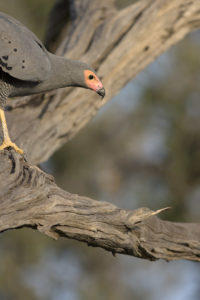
(12, 145)
(6, 139)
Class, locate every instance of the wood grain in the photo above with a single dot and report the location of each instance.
(119, 44)
(32, 199)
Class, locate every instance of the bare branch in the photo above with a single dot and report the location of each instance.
(31, 198)
(117, 43)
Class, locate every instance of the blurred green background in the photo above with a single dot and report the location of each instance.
(142, 149)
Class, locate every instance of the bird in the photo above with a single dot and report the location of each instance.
(27, 67)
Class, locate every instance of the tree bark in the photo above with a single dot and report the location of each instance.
(119, 44)
(32, 199)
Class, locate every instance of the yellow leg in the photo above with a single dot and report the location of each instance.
(6, 139)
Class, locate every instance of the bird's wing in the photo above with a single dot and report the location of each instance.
(22, 55)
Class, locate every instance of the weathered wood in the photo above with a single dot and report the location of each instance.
(32, 199)
(119, 44)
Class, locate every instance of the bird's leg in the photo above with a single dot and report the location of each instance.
(6, 138)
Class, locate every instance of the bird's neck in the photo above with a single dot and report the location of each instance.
(63, 73)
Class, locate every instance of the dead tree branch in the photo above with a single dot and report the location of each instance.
(119, 44)
(32, 199)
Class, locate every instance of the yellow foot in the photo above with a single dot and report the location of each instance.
(11, 144)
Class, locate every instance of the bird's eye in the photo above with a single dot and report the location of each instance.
(91, 77)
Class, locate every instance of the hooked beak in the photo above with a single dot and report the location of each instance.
(101, 92)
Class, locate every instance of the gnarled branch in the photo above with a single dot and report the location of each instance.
(32, 199)
(118, 44)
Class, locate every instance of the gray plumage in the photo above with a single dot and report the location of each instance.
(21, 50)
(26, 68)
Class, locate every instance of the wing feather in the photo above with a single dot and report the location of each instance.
(22, 55)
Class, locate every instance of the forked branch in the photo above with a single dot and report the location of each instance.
(119, 44)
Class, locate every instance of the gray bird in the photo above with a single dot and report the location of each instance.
(26, 68)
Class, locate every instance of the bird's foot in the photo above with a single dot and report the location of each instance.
(8, 143)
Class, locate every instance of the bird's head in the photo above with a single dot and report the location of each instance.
(93, 82)
(81, 74)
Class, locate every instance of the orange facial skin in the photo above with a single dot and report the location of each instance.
(92, 81)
